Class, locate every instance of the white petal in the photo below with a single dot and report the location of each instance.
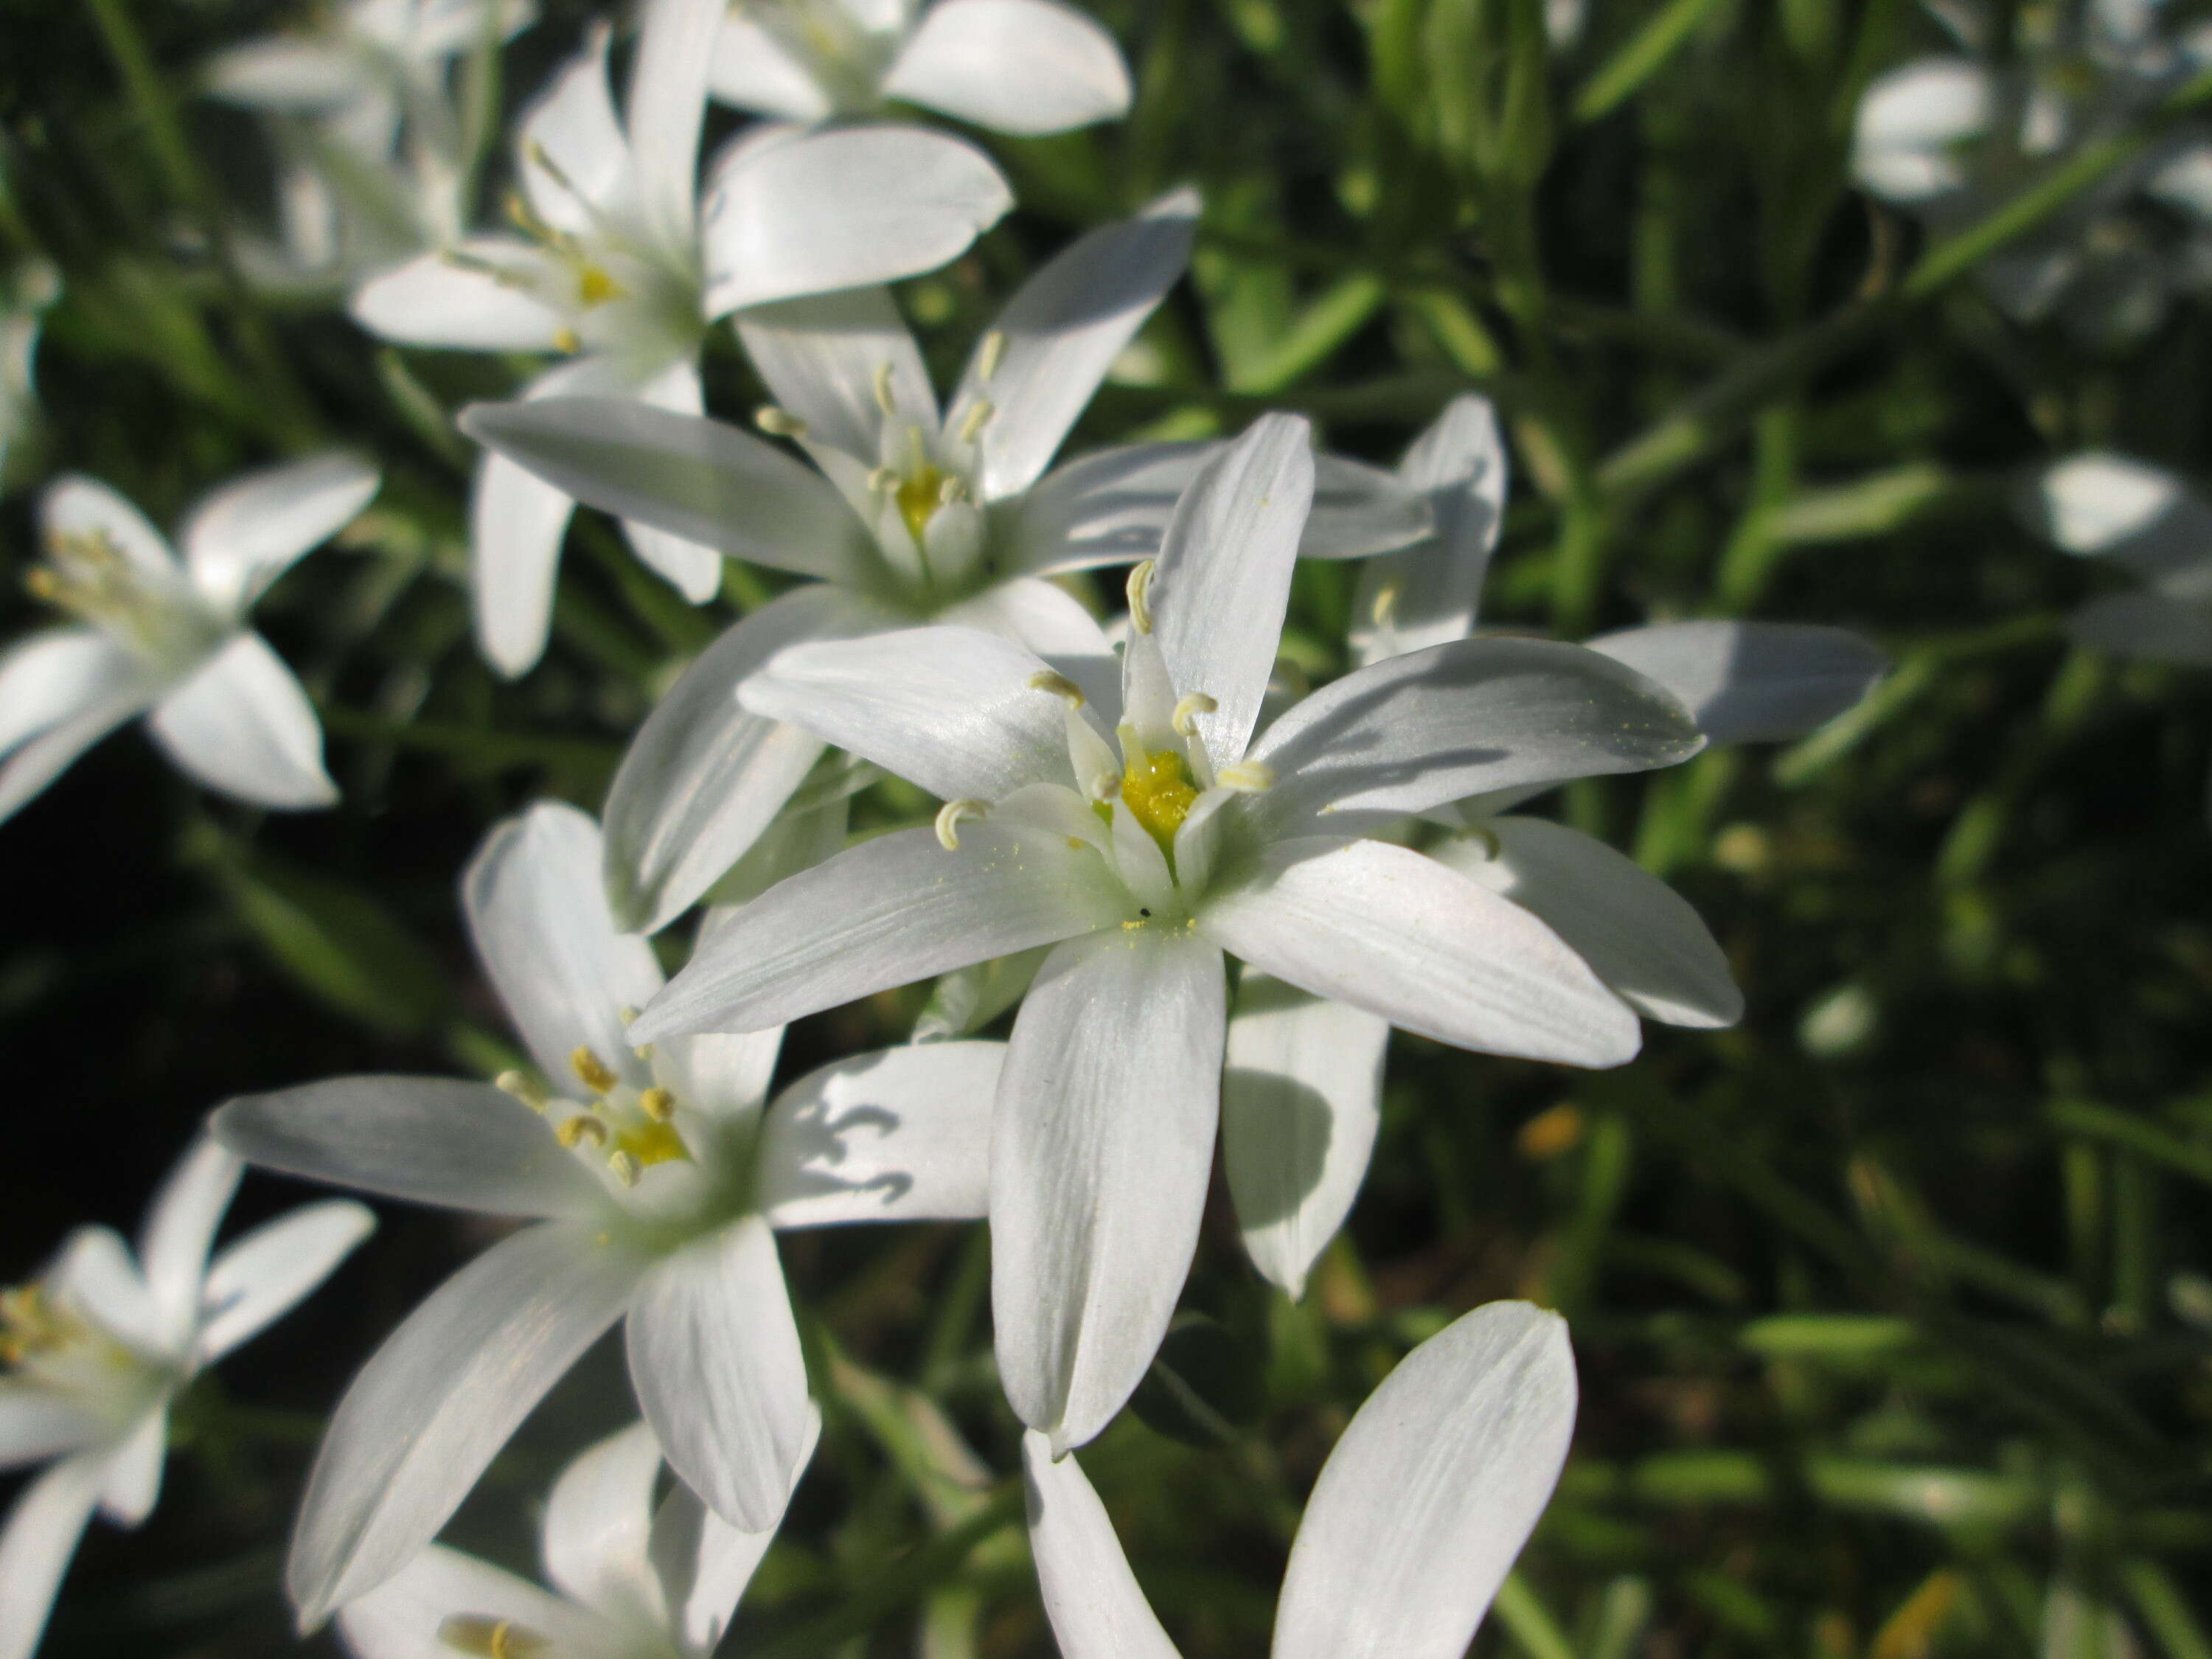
(1052, 623)
(1910, 121)
(1410, 733)
(1301, 1099)
(751, 69)
(1752, 682)
(714, 1360)
(888, 912)
(1431, 1492)
(703, 1562)
(433, 301)
(36, 1423)
(517, 522)
(35, 1547)
(1638, 935)
(722, 1076)
(1052, 345)
(1097, 1609)
(822, 357)
(1111, 507)
(598, 1521)
(400, 1618)
(1225, 576)
(667, 102)
(53, 677)
(693, 571)
(278, 73)
(538, 913)
(572, 124)
(78, 506)
(130, 1485)
(180, 1226)
(246, 535)
(262, 1276)
(426, 1139)
(1389, 931)
(902, 1134)
(951, 709)
(2146, 625)
(702, 480)
(38, 761)
(1428, 594)
(242, 724)
(436, 1402)
(842, 208)
(704, 777)
(1016, 66)
(2099, 505)
(1102, 1147)
(93, 1269)
(1359, 511)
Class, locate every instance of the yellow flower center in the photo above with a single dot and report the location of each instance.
(595, 287)
(1159, 790)
(491, 1638)
(920, 493)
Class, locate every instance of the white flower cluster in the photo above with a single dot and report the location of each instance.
(1213, 893)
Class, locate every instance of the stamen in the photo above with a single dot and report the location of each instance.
(658, 1104)
(978, 418)
(590, 1071)
(482, 267)
(576, 1131)
(623, 1166)
(1047, 680)
(1187, 711)
(993, 353)
(43, 584)
(950, 816)
(884, 401)
(539, 157)
(1140, 587)
(1385, 608)
(954, 489)
(486, 1638)
(778, 422)
(1246, 777)
(883, 480)
(568, 340)
(525, 1088)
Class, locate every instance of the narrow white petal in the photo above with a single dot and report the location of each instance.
(842, 208)
(517, 522)
(426, 1139)
(1225, 576)
(242, 724)
(36, 1423)
(246, 535)
(1102, 1147)
(130, 1485)
(77, 506)
(692, 570)
(1016, 66)
(714, 1360)
(1389, 931)
(599, 1523)
(1359, 511)
(1110, 507)
(95, 1270)
(902, 1134)
(400, 1618)
(1052, 345)
(703, 1562)
(278, 73)
(823, 359)
(539, 915)
(1052, 623)
(573, 124)
(667, 102)
(888, 912)
(436, 1402)
(2100, 505)
(1910, 121)
(1752, 682)
(1428, 594)
(1431, 1492)
(1097, 1609)
(750, 69)
(1301, 1099)
(264, 1275)
(40, 760)
(952, 709)
(1410, 733)
(36, 1544)
(434, 301)
(52, 677)
(702, 480)
(2146, 625)
(180, 1227)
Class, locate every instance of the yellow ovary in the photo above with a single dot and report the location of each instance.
(1159, 792)
(919, 495)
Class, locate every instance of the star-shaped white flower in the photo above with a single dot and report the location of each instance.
(1023, 67)
(655, 1180)
(93, 1351)
(1424, 1502)
(615, 264)
(631, 1579)
(1144, 864)
(914, 516)
(170, 640)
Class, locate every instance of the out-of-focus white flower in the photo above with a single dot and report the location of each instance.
(93, 1351)
(631, 1579)
(914, 517)
(1143, 865)
(617, 265)
(1016, 66)
(656, 1180)
(170, 640)
(34, 287)
(1415, 1521)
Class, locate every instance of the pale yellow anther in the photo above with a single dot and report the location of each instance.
(590, 1071)
(991, 354)
(883, 481)
(978, 418)
(950, 817)
(1186, 712)
(1384, 611)
(884, 401)
(525, 1088)
(485, 1637)
(1141, 588)
(1246, 777)
(42, 584)
(541, 159)
(568, 340)
(573, 1131)
(954, 489)
(623, 1167)
(778, 422)
(1048, 679)
(658, 1104)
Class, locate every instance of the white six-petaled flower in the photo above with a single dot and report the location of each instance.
(93, 1351)
(1143, 864)
(632, 1579)
(170, 640)
(1424, 1502)
(656, 1180)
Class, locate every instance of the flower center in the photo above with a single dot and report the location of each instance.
(87, 574)
(1158, 790)
(492, 1639)
(628, 1129)
(920, 493)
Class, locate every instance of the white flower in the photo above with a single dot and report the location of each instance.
(632, 1580)
(1419, 1513)
(914, 517)
(655, 1180)
(1016, 66)
(172, 638)
(1143, 867)
(93, 1351)
(34, 287)
(615, 265)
